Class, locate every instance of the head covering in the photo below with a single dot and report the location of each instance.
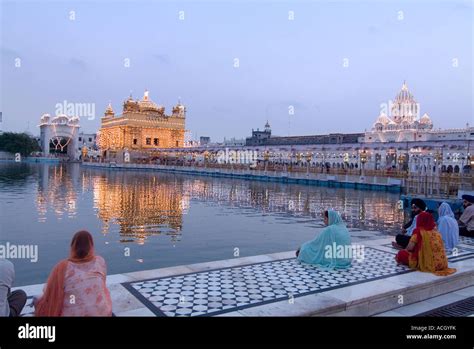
(82, 251)
(425, 221)
(445, 210)
(419, 203)
(323, 249)
(448, 226)
(334, 218)
(469, 198)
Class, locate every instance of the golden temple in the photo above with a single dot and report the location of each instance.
(143, 126)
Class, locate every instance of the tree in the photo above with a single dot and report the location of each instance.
(18, 143)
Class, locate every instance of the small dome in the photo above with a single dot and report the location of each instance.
(45, 117)
(60, 119)
(146, 104)
(404, 95)
(425, 119)
(109, 110)
(383, 119)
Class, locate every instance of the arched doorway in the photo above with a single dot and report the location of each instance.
(59, 145)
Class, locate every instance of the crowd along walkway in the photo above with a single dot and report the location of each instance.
(278, 285)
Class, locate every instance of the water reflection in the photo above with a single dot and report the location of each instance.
(144, 203)
(169, 219)
(57, 191)
(140, 204)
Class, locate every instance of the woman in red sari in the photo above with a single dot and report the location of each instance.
(76, 286)
(425, 251)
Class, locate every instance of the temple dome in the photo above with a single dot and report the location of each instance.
(146, 104)
(383, 119)
(404, 95)
(109, 111)
(45, 118)
(60, 119)
(425, 119)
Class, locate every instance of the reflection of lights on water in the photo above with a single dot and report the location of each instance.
(57, 192)
(137, 206)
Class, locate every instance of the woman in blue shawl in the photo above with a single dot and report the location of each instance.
(448, 227)
(331, 248)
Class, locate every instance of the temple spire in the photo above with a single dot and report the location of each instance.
(404, 86)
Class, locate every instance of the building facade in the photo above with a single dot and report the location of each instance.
(399, 139)
(265, 138)
(59, 136)
(143, 126)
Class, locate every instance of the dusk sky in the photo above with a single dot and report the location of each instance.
(282, 62)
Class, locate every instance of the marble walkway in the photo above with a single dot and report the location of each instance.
(277, 285)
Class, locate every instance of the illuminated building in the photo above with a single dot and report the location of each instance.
(142, 127)
(58, 135)
(399, 139)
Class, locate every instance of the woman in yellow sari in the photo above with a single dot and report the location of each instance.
(425, 251)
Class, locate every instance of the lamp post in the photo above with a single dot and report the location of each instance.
(84, 153)
(346, 161)
(266, 156)
(363, 160)
(438, 159)
(401, 162)
(470, 162)
(206, 158)
(309, 157)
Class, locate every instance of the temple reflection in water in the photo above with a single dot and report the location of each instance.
(140, 204)
(57, 191)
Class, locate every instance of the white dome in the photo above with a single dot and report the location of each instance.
(60, 119)
(425, 119)
(45, 117)
(383, 119)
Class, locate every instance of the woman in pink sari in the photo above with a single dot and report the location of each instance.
(76, 286)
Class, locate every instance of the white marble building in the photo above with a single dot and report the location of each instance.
(399, 140)
(59, 136)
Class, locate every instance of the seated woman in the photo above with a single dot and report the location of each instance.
(425, 251)
(325, 250)
(448, 227)
(76, 286)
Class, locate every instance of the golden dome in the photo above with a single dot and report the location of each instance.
(146, 104)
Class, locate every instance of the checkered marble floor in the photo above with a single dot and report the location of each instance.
(466, 240)
(229, 289)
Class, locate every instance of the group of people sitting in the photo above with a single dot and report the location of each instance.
(423, 243)
(77, 285)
